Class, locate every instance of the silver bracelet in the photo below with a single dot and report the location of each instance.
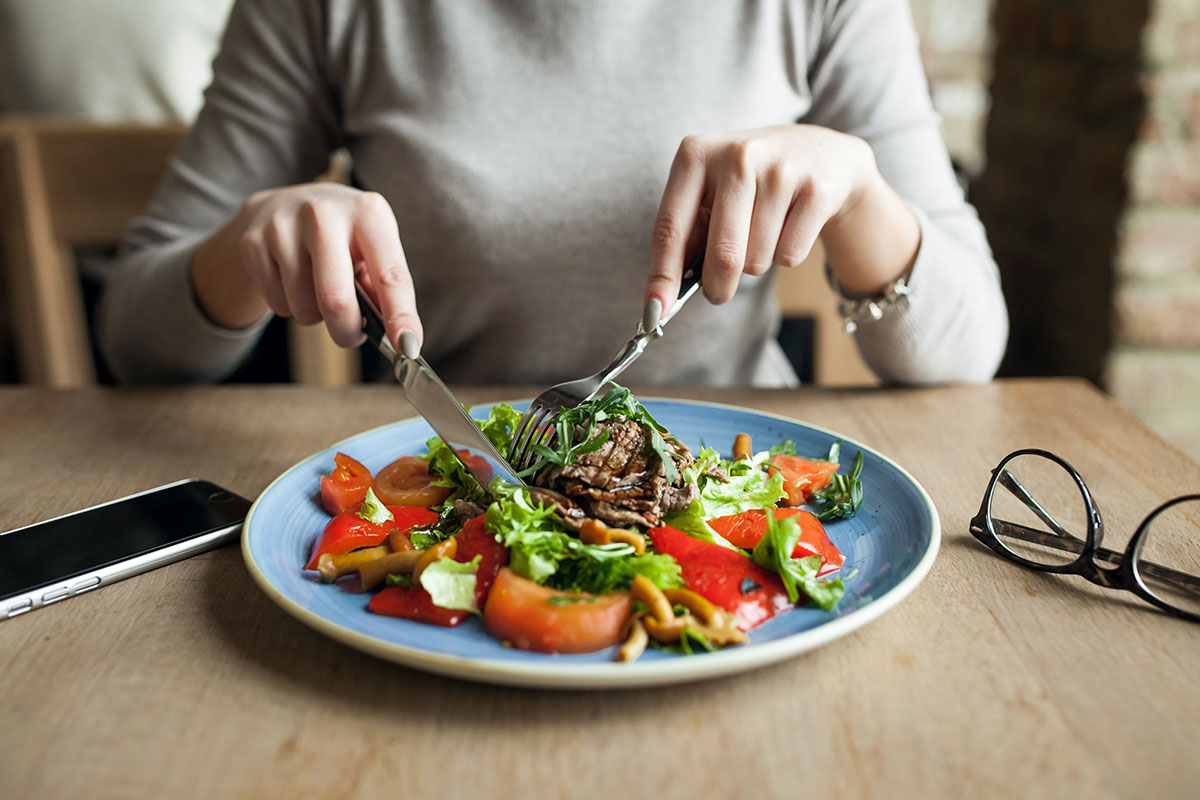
(856, 311)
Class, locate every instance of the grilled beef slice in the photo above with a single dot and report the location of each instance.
(623, 482)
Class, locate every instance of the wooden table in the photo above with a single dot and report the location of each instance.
(989, 680)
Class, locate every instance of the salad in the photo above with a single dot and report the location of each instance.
(623, 538)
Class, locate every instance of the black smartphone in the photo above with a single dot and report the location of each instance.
(50, 561)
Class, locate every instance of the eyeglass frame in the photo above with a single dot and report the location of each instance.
(1127, 575)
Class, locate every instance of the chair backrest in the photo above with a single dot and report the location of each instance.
(804, 292)
(66, 184)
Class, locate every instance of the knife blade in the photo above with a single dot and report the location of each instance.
(434, 401)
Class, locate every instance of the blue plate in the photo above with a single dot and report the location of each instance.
(889, 547)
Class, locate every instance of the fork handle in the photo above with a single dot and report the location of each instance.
(688, 286)
(691, 275)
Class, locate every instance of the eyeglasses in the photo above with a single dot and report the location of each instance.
(1039, 513)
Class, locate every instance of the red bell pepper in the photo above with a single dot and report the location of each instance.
(348, 531)
(413, 602)
(745, 530)
(726, 577)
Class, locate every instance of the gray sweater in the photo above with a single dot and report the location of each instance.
(524, 146)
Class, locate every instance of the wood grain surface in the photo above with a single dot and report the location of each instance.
(988, 681)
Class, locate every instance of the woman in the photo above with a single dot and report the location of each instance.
(511, 215)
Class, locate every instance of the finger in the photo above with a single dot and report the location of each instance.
(326, 237)
(377, 241)
(295, 269)
(728, 233)
(676, 218)
(261, 267)
(771, 204)
(805, 219)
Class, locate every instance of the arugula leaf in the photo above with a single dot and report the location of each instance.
(774, 552)
(575, 431)
(844, 495)
(451, 584)
(373, 511)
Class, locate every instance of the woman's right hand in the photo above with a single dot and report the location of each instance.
(296, 251)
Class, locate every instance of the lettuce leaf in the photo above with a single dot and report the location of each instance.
(499, 426)
(542, 551)
(451, 584)
(749, 487)
(373, 511)
(774, 552)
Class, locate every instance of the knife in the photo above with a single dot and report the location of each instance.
(434, 401)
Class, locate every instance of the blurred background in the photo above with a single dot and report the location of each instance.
(1074, 125)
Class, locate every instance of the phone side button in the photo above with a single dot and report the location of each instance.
(54, 595)
(84, 585)
(20, 607)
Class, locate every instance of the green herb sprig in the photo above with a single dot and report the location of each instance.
(844, 495)
(574, 432)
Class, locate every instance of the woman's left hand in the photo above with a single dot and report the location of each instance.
(762, 197)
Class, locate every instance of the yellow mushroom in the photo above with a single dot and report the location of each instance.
(741, 447)
(635, 639)
(645, 592)
(372, 573)
(443, 549)
(333, 566)
(596, 532)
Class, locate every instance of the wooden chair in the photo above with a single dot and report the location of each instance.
(67, 184)
(804, 292)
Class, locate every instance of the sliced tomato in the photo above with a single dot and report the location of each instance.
(728, 578)
(802, 477)
(348, 531)
(532, 617)
(345, 487)
(474, 540)
(413, 602)
(745, 529)
(407, 481)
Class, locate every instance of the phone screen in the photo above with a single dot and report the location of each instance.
(109, 534)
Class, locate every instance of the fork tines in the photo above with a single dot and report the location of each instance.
(536, 427)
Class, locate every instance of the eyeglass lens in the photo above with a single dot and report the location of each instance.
(1038, 511)
(1170, 551)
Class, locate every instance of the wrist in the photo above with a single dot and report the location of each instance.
(873, 239)
(221, 286)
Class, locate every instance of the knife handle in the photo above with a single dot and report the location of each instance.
(372, 322)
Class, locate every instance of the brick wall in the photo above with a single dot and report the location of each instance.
(1091, 197)
(1154, 366)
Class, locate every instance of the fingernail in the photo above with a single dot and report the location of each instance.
(651, 314)
(410, 345)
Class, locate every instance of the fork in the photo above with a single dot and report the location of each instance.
(537, 423)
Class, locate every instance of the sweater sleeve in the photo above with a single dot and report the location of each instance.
(269, 120)
(867, 79)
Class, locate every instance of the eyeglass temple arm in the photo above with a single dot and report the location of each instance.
(1179, 579)
(1008, 481)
